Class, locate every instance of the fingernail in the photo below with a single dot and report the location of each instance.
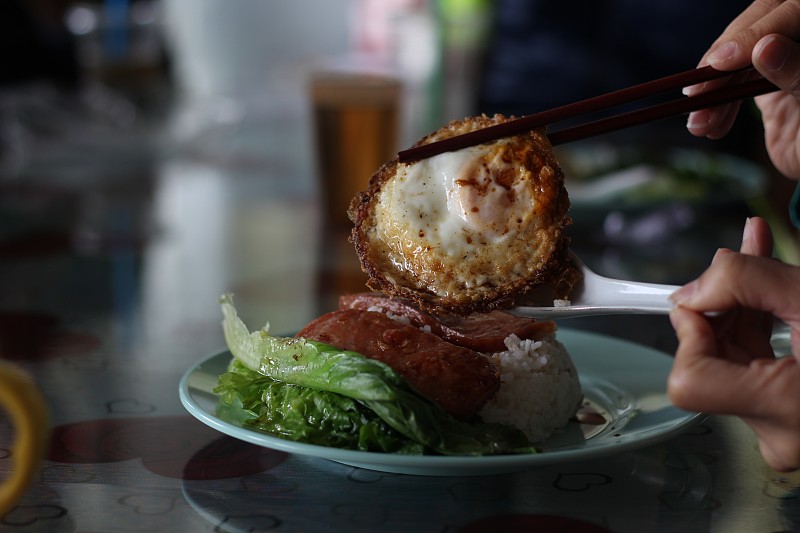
(719, 253)
(724, 53)
(747, 233)
(684, 294)
(693, 89)
(698, 119)
(772, 53)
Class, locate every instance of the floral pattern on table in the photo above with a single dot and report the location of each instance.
(177, 447)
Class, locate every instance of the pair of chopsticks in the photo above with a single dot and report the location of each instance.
(726, 94)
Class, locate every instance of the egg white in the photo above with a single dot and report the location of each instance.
(453, 205)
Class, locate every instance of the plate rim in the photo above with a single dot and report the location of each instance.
(444, 464)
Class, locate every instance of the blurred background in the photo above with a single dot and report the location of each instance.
(199, 146)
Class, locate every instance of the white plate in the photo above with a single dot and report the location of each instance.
(624, 381)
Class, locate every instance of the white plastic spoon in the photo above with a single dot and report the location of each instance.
(598, 295)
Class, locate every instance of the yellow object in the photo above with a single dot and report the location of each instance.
(20, 397)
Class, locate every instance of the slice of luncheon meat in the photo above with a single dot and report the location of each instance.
(483, 332)
(457, 379)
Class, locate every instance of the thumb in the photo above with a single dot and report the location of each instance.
(756, 238)
(777, 58)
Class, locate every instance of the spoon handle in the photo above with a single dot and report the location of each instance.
(625, 294)
(598, 295)
(571, 311)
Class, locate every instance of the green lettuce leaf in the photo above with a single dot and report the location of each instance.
(312, 392)
(250, 399)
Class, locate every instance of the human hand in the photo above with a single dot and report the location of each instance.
(724, 363)
(764, 35)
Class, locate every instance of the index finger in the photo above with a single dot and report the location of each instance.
(733, 50)
(761, 18)
(756, 238)
(739, 280)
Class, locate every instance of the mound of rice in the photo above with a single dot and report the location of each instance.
(539, 389)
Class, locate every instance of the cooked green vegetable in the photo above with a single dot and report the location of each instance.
(312, 392)
(248, 398)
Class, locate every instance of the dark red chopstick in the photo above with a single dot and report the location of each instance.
(725, 95)
(595, 104)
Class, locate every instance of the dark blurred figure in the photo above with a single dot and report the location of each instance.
(35, 45)
(544, 54)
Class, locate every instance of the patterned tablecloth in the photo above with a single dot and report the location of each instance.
(108, 293)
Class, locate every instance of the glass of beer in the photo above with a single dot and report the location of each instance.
(356, 123)
(356, 119)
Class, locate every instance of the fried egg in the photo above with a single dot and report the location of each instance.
(469, 230)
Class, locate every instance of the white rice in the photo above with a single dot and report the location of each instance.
(397, 318)
(539, 389)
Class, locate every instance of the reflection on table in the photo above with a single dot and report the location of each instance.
(112, 265)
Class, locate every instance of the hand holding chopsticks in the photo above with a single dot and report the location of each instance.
(726, 94)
